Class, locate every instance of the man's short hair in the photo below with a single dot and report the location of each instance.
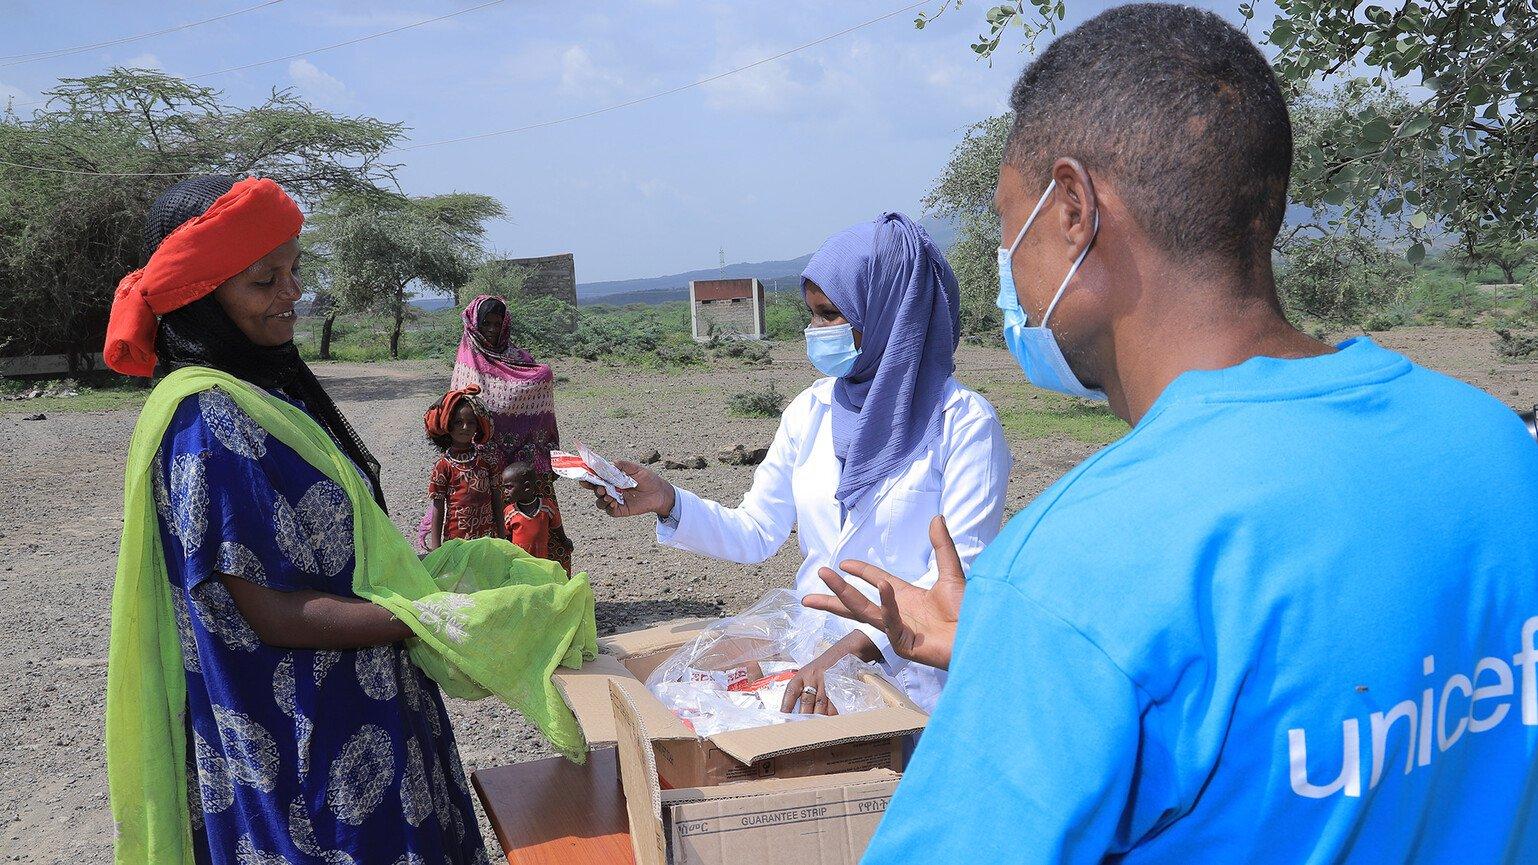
(1180, 109)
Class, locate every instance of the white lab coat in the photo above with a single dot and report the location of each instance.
(961, 473)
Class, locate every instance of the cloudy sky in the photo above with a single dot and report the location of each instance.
(766, 162)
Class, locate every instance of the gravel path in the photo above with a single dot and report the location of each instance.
(60, 516)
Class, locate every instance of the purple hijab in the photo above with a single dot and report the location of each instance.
(894, 286)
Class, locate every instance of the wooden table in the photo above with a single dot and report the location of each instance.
(553, 811)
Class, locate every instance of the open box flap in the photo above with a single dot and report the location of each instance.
(586, 692)
(664, 636)
(758, 743)
(766, 786)
(638, 778)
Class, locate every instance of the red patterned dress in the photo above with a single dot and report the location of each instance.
(463, 482)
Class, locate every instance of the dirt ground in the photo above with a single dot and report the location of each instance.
(60, 516)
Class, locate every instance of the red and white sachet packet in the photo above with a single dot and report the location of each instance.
(584, 465)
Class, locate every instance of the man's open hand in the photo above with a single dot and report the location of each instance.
(921, 623)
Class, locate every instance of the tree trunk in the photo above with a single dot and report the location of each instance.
(1510, 271)
(325, 336)
(395, 335)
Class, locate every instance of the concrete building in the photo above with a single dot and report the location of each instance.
(731, 308)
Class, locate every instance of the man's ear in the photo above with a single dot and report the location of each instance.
(1076, 206)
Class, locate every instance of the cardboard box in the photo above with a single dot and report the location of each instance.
(826, 819)
(816, 746)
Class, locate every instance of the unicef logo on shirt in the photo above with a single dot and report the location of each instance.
(1463, 705)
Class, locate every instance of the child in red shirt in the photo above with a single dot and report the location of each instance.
(528, 520)
(466, 500)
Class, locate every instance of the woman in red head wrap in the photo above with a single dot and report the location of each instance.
(306, 732)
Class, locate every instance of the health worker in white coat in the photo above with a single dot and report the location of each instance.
(864, 459)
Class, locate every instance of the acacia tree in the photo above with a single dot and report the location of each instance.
(1464, 154)
(318, 283)
(500, 278)
(374, 247)
(964, 192)
(66, 238)
(1340, 279)
(1505, 247)
(1508, 254)
(1320, 118)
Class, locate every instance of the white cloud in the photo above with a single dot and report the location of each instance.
(960, 81)
(612, 180)
(799, 85)
(582, 76)
(316, 84)
(144, 61)
(10, 95)
(897, 81)
(856, 81)
(573, 72)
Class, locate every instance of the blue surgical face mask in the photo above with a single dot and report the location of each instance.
(831, 349)
(1035, 348)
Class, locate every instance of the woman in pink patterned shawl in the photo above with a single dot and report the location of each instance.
(516, 390)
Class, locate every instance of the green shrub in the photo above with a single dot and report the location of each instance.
(542, 325)
(750, 351)
(1513, 345)
(1527, 300)
(757, 403)
(675, 353)
(786, 316)
(1340, 279)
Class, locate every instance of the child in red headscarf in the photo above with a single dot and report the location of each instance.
(465, 486)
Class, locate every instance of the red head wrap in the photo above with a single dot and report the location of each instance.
(439, 416)
(255, 217)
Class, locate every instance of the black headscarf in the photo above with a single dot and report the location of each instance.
(201, 334)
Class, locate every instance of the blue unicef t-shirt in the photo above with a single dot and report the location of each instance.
(1290, 617)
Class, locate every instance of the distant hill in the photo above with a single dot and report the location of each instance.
(649, 296)
(776, 276)
(676, 285)
(789, 282)
(432, 304)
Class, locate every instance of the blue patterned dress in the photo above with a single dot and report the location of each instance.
(295, 756)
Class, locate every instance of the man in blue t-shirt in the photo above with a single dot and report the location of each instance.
(1291, 616)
